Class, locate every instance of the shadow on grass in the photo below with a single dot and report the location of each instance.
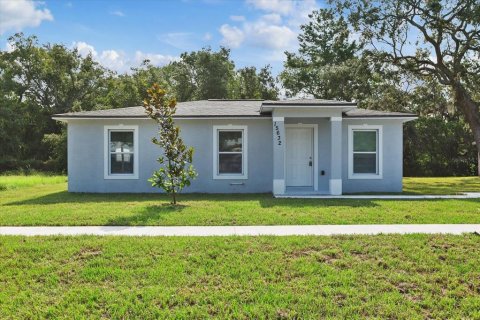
(309, 203)
(264, 200)
(150, 213)
(69, 197)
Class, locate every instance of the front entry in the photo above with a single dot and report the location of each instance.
(299, 156)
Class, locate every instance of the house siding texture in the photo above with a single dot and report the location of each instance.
(86, 156)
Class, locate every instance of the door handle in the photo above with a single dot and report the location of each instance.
(310, 163)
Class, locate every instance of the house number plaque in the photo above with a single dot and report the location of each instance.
(277, 132)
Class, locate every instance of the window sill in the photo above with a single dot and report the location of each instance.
(121, 177)
(365, 176)
(230, 177)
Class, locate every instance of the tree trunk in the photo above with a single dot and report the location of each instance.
(470, 110)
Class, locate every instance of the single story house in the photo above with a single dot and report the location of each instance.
(304, 146)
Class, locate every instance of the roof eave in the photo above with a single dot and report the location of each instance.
(384, 117)
(343, 107)
(65, 118)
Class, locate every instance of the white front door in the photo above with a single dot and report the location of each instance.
(299, 157)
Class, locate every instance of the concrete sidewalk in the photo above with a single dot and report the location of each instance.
(204, 231)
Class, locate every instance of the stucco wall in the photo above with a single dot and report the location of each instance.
(392, 155)
(86, 156)
(392, 159)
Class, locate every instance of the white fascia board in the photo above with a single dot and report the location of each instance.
(333, 106)
(405, 119)
(65, 119)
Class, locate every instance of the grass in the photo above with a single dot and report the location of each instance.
(51, 204)
(450, 185)
(8, 182)
(355, 277)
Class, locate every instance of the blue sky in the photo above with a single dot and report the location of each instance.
(120, 34)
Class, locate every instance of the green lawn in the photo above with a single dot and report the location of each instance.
(8, 182)
(389, 277)
(51, 204)
(450, 185)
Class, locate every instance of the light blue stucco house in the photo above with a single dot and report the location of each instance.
(305, 146)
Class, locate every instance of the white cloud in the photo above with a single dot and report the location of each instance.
(264, 35)
(179, 40)
(301, 11)
(232, 36)
(237, 18)
(84, 49)
(114, 60)
(272, 18)
(117, 13)
(119, 61)
(284, 7)
(9, 47)
(275, 31)
(155, 59)
(18, 14)
(266, 32)
(207, 36)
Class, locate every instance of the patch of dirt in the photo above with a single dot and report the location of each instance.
(86, 253)
(408, 291)
(285, 314)
(322, 256)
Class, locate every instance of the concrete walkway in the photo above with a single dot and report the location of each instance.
(319, 230)
(466, 195)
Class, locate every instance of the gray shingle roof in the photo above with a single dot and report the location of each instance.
(309, 102)
(228, 108)
(201, 108)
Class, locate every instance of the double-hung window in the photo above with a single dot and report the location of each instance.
(230, 152)
(121, 152)
(365, 152)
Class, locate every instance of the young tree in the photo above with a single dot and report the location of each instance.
(177, 170)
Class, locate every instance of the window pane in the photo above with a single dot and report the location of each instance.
(230, 141)
(230, 163)
(121, 141)
(365, 141)
(365, 163)
(121, 163)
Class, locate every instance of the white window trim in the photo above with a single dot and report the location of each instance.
(351, 129)
(244, 174)
(106, 164)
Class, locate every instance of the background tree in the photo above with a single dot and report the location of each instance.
(328, 63)
(247, 83)
(176, 171)
(335, 61)
(203, 74)
(37, 81)
(433, 38)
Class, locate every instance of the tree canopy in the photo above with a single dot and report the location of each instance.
(38, 80)
(416, 56)
(428, 39)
